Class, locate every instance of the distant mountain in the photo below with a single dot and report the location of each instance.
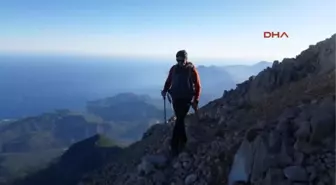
(240, 73)
(129, 114)
(216, 79)
(127, 107)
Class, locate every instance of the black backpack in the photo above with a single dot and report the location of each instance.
(183, 81)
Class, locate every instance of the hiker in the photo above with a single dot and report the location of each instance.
(183, 85)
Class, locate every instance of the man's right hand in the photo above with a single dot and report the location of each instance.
(163, 94)
(194, 105)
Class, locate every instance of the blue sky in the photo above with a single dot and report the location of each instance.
(219, 29)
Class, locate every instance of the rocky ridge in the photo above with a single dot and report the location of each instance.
(275, 128)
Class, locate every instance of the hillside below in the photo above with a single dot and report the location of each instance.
(80, 158)
(129, 115)
(275, 128)
(31, 143)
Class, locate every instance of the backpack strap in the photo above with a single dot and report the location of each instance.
(191, 68)
(174, 69)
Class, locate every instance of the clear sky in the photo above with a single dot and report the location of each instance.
(223, 29)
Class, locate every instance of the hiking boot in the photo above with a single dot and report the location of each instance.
(191, 146)
(174, 153)
(181, 147)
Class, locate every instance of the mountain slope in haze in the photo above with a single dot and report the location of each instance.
(127, 107)
(215, 79)
(129, 114)
(275, 128)
(240, 73)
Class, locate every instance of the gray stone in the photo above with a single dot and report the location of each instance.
(190, 179)
(201, 182)
(242, 163)
(304, 147)
(275, 142)
(177, 165)
(296, 173)
(283, 158)
(332, 175)
(180, 173)
(156, 160)
(321, 183)
(312, 173)
(298, 158)
(304, 130)
(330, 159)
(261, 160)
(186, 165)
(273, 176)
(302, 117)
(158, 178)
(145, 167)
(177, 181)
(323, 125)
(326, 179)
(289, 113)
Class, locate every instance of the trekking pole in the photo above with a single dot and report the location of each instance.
(195, 110)
(164, 109)
(171, 103)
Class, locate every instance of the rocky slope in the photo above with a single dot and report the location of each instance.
(275, 128)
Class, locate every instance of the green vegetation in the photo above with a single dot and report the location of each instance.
(18, 165)
(103, 141)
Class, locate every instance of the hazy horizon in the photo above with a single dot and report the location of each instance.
(212, 30)
(30, 85)
(133, 60)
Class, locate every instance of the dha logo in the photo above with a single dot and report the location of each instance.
(278, 35)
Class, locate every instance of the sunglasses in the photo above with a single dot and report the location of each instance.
(180, 58)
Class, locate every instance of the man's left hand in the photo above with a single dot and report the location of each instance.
(194, 105)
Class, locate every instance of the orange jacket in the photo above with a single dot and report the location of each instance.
(197, 82)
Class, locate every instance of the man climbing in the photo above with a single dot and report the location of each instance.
(183, 85)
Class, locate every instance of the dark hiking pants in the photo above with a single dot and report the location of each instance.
(179, 139)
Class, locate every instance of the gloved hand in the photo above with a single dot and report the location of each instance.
(194, 105)
(163, 93)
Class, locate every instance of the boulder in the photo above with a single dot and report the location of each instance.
(296, 173)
